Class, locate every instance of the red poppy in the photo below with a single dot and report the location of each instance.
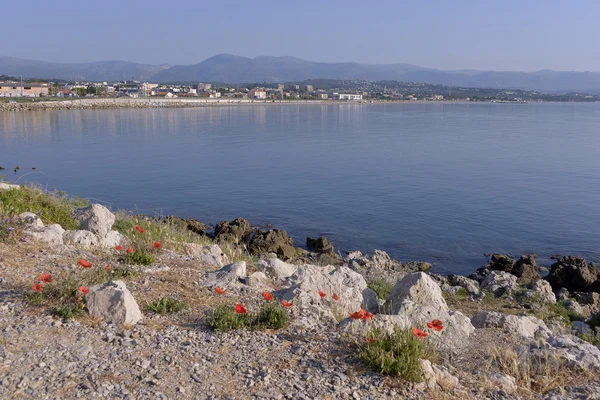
(358, 314)
(419, 333)
(37, 287)
(157, 245)
(84, 289)
(108, 268)
(130, 250)
(285, 303)
(46, 278)
(219, 290)
(335, 297)
(370, 340)
(139, 229)
(240, 309)
(118, 247)
(267, 296)
(436, 325)
(368, 316)
(322, 294)
(85, 263)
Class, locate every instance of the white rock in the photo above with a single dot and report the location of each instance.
(276, 269)
(499, 282)
(8, 186)
(82, 238)
(31, 219)
(113, 303)
(470, 285)
(523, 325)
(577, 352)
(503, 381)
(95, 218)
(112, 239)
(51, 234)
(209, 254)
(429, 375)
(417, 289)
(227, 276)
(542, 290)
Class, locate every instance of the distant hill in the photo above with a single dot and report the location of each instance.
(94, 71)
(234, 69)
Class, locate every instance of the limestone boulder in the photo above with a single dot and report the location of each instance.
(51, 234)
(80, 238)
(112, 239)
(113, 303)
(470, 285)
(31, 220)
(276, 269)
(209, 254)
(500, 283)
(542, 291)
(95, 218)
(525, 326)
(417, 289)
(571, 349)
(230, 275)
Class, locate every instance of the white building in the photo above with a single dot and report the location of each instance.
(348, 96)
(258, 93)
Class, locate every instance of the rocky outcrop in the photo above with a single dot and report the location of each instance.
(237, 231)
(525, 326)
(112, 239)
(228, 276)
(208, 254)
(320, 244)
(52, 234)
(81, 238)
(526, 270)
(500, 283)
(276, 269)
(541, 291)
(379, 264)
(570, 349)
(272, 241)
(470, 285)
(574, 274)
(95, 218)
(31, 220)
(113, 303)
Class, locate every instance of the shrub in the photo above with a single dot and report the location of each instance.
(167, 305)
(224, 318)
(462, 292)
(273, 316)
(381, 287)
(139, 257)
(397, 353)
(66, 310)
(559, 311)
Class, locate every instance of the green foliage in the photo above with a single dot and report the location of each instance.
(559, 311)
(462, 292)
(66, 310)
(139, 257)
(397, 353)
(51, 207)
(167, 305)
(381, 287)
(101, 275)
(590, 338)
(594, 321)
(34, 298)
(224, 318)
(488, 298)
(273, 316)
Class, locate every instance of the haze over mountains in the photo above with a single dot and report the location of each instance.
(232, 69)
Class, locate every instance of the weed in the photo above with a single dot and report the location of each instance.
(381, 287)
(462, 292)
(139, 257)
(488, 298)
(224, 318)
(34, 298)
(398, 353)
(273, 316)
(590, 338)
(66, 310)
(167, 305)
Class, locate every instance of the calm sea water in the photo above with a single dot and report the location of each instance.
(444, 183)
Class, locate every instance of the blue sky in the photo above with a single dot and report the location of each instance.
(525, 35)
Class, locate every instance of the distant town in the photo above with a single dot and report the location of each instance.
(12, 88)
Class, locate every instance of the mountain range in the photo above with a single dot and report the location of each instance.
(233, 69)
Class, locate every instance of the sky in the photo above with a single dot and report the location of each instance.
(524, 35)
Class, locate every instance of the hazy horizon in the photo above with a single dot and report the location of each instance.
(508, 36)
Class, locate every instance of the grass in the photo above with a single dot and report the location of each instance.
(381, 287)
(139, 257)
(462, 292)
(273, 316)
(167, 305)
(224, 319)
(590, 338)
(559, 312)
(66, 311)
(398, 353)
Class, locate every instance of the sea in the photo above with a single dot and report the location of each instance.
(444, 183)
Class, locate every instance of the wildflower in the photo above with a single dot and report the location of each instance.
(419, 333)
(118, 247)
(46, 278)
(130, 250)
(285, 303)
(37, 287)
(108, 268)
(219, 290)
(10, 228)
(157, 245)
(240, 309)
(139, 229)
(436, 325)
(335, 297)
(322, 295)
(267, 296)
(368, 316)
(85, 263)
(358, 314)
(84, 289)
(370, 340)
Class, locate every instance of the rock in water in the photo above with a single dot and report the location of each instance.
(96, 219)
(574, 274)
(272, 241)
(236, 231)
(321, 244)
(113, 303)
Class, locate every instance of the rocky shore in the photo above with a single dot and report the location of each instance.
(108, 305)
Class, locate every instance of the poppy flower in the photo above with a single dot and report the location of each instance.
(157, 245)
(436, 325)
(130, 250)
(267, 296)
(84, 289)
(240, 309)
(85, 263)
(108, 268)
(118, 247)
(46, 278)
(285, 303)
(358, 314)
(419, 333)
(370, 340)
(322, 295)
(219, 290)
(139, 229)
(335, 297)
(37, 287)
(368, 316)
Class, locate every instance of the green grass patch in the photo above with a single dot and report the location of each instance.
(167, 305)
(397, 353)
(381, 287)
(139, 257)
(463, 293)
(559, 312)
(66, 311)
(590, 338)
(224, 319)
(273, 316)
